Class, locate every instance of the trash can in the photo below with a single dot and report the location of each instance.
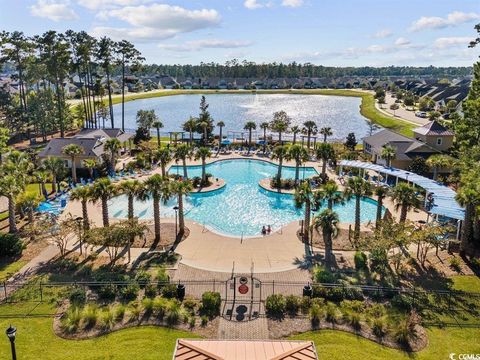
(307, 290)
(180, 291)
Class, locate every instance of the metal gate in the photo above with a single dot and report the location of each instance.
(243, 296)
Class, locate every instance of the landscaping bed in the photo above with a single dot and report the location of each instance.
(167, 237)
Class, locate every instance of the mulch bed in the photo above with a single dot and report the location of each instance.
(340, 242)
(167, 236)
(291, 326)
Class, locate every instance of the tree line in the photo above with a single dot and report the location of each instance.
(44, 64)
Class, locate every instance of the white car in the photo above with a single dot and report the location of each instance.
(421, 114)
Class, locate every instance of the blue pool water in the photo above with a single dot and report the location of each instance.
(241, 207)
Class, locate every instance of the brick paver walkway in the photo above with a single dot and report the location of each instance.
(249, 330)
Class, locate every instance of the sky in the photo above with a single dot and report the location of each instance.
(323, 32)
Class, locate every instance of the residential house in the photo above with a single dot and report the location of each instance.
(435, 135)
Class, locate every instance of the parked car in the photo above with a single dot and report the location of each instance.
(421, 114)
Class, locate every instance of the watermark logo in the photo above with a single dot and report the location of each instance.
(454, 356)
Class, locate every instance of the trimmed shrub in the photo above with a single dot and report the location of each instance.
(402, 301)
(204, 321)
(211, 302)
(11, 245)
(129, 292)
(162, 277)
(190, 304)
(275, 305)
(147, 305)
(107, 319)
(173, 312)
(160, 307)
(455, 264)
(305, 304)
(107, 292)
(143, 278)
(360, 260)
(150, 291)
(316, 313)
(379, 327)
(71, 319)
(119, 312)
(134, 309)
(292, 303)
(331, 313)
(322, 275)
(169, 291)
(192, 322)
(90, 315)
(78, 296)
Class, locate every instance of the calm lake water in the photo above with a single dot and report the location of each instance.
(340, 113)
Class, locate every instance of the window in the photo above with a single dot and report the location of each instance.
(66, 163)
(439, 141)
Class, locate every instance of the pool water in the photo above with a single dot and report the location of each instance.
(242, 207)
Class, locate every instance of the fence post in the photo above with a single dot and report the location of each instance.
(41, 292)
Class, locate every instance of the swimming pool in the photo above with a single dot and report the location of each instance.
(241, 208)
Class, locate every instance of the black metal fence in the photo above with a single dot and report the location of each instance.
(443, 307)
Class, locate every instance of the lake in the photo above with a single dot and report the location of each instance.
(340, 113)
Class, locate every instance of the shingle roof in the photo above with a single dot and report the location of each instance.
(91, 147)
(244, 350)
(433, 128)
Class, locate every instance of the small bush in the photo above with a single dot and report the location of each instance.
(160, 307)
(150, 291)
(192, 322)
(379, 327)
(360, 260)
(475, 262)
(119, 312)
(292, 303)
(134, 309)
(107, 292)
(331, 313)
(162, 277)
(11, 245)
(169, 291)
(275, 305)
(173, 312)
(129, 292)
(78, 296)
(305, 304)
(376, 311)
(190, 304)
(147, 305)
(455, 264)
(143, 278)
(353, 318)
(322, 275)
(204, 321)
(402, 301)
(211, 302)
(316, 314)
(90, 315)
(107, 319)
(71, 319)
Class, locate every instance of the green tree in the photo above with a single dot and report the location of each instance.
(304, 196)
(182, 152)
(280, 123)
(157, 124)
(351, 141)
(381, 193)
(84, 195)
(418, 166)
(181, 189)
(112, 147)
(56, 167)
(326, 132)
(164, 157)
(405, 198)
(104, 55)
(159, 189)
(132, 189)
(103, 190)
(358, 188)
(73, 150)
(298, 154)
(279, 153)
(202, 154)
(329, 192)
(11, 188)
(190, 125)
(309, 128)
(327, 220)
(388, 153)
(220, 125)
(325, 152)
(438, 161)
(90, 165)
(250, 126)
(295, 130)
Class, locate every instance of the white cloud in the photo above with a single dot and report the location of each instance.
(157, 21)
(401, 41)
(292, 3)
(197, 45)
(382, 34)
(435, 22)
(107, 4)
(448, 42)
(53, 10)
(255, 4)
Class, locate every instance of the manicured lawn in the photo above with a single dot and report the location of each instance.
(36, 340)
(340, 345)
(469, 283)
(9, 268)
(34, 188)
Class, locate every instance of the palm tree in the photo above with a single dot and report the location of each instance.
(250, 126)
(388, 153)
(438, 161)
(158, 188)
(304, 196)
(105, 57)
(468, 196)
(10, 187)
(326, 132)
(190, 125)
(329, 192)
(203, 153)
(112, 147)
(309, 128)
(325, 152)
(221, 125)
(73, 150)
(381, 193)
(295, 130)
(42, 177)
(264, 126)
(279, 153)
(132, 189)
(28, 202)
(83, 194)
(91, 165)
(164, 157)
(157, 124)
(327, 220)
(358, 188)
(181, 188)
(280, 123)
(204, 126)
(300, 155)
(182, 152)
(405, 198)
(103, 190)
(55, 166)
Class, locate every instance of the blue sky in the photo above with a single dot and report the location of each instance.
(327, 32)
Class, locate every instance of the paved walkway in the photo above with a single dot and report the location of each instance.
(248, 330)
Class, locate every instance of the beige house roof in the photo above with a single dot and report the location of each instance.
(244, 350)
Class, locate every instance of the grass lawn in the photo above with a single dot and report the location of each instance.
(335, 345)
(35, 188)
(367, 107)
(9, 268)
(469, 283)
(35, 340)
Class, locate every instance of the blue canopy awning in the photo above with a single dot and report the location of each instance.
(443, 197)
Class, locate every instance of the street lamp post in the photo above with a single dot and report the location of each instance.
(176, 231)
(11, 333)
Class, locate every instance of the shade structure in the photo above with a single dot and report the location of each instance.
(226, 142)
(261, 142)
(444, 202)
